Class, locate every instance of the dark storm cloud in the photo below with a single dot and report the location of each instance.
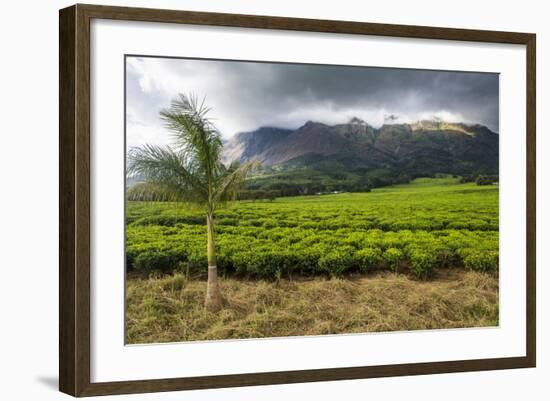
(472, 95)
(246, 95)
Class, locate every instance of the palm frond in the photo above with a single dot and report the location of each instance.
(149, 191)
(234, 180)
(194, 133)
(165, 168)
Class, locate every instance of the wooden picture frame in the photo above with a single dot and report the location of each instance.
(74, 200)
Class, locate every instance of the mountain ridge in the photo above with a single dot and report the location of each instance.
(431, 146)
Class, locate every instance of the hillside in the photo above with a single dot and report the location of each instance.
(356, 156)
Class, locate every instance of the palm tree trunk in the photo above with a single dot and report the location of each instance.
(213, 301)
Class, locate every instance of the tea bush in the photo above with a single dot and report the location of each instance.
(481, 261)
(392, 256)
(337, 261)
(159, 260)
(368, 258)
(422, 262)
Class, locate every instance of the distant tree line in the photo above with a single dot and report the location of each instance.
(270, 188)
(481, 179)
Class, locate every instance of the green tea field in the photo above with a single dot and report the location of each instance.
(412, 228)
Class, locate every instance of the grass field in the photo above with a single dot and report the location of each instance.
(318, 264)
(170, 308)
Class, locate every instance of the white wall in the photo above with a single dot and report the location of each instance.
(28, 197)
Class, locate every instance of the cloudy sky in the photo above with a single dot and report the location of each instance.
(246, 95)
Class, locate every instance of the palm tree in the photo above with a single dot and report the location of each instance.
(191, 171)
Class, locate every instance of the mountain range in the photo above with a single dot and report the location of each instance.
(358, 154)
(424, 146)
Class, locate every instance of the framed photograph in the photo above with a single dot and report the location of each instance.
(249, 200)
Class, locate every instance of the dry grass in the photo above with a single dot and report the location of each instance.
(167, 309)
